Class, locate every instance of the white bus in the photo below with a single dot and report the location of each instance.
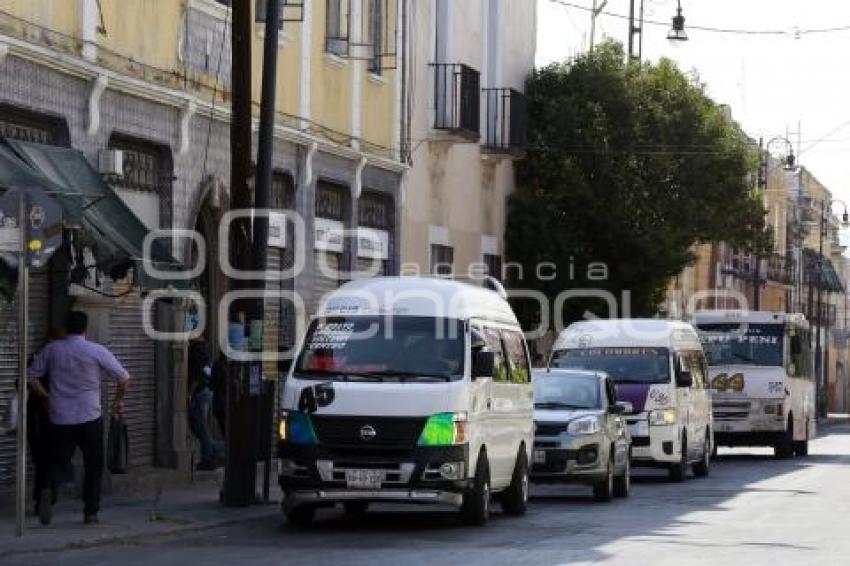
(762, 379)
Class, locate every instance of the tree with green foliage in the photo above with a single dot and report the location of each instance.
(629, 165)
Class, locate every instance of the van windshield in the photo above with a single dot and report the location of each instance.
(624, 365)
(383, 348)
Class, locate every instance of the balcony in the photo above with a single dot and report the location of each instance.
(457, 100)
(780, 269)
(828, 314)
(506, 121)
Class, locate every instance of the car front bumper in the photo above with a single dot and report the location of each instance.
(566, 458)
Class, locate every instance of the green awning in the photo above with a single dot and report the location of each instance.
(116, 234)
(813, 262)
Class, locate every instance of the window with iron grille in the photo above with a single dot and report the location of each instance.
(337, 27)
(442, 259)
(376, 35)
(23, 125)
(148, 168)
(494, 266)
(282, 191)
(375, 211)
(331, 201)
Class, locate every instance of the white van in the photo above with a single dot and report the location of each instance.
(408, 390)
(658, 366)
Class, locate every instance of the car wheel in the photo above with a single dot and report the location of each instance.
(679, 471)
(301, 516)
(623, 483)
(475, 510)
(702, 467)
(783, 448)
(515, 498)
(604, 490)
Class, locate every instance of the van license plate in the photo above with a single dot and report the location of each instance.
(539, 457)
(364, 479)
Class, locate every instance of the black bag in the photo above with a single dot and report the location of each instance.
(118, 445)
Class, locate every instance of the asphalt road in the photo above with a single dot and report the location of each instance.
(752, 510)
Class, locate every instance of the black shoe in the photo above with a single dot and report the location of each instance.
(45, 506)
(91, 519)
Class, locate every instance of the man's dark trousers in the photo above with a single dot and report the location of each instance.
(88, 437)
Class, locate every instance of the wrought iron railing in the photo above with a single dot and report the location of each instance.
(826, 317)
(505, 120)
(457, 99)
(780, 269)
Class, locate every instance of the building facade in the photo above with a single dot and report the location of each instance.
(468, 65)
(146, 84)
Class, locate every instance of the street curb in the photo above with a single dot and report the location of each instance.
(187, 527)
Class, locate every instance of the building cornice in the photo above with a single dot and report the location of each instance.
(77, 67)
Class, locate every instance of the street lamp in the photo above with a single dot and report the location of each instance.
(677, 31)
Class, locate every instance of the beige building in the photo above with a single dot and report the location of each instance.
(469, 63)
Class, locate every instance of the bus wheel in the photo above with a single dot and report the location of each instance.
(783, 448)
(801, 448)
(679, 470)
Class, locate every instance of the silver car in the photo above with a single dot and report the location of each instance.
(580, 433)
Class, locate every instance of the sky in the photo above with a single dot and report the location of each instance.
(775, 84)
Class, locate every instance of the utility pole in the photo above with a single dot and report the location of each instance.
(635, 30)
(261, 428)
(819, 373)
(594, 13)
(240, 473)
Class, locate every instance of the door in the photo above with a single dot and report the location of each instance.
(615, 426)
(498, 406)
(520, 391)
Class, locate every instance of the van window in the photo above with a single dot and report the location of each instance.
(494, 344)
(379, 348)
(515, 346)
(624, 365)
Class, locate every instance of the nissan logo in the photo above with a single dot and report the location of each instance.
(368, 432)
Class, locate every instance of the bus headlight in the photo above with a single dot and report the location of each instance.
(774, 409)
(296, 428)
(663, 417)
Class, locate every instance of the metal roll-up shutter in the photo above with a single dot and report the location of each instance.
(136, 352)
(323, 282)
(9, 366)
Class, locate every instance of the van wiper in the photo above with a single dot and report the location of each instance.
(558, 405)
(634, 382)
(401, 375)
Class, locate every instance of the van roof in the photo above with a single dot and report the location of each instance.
(634, 332)
(417, 296)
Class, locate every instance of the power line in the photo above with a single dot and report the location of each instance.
(732, 31)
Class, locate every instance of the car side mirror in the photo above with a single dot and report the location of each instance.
(684, 379)
(483, 364)
(624, 408)
(616, 409)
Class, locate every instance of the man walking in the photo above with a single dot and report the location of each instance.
(201, 401)
(75, 366)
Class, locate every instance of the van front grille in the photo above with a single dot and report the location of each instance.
(356, 431)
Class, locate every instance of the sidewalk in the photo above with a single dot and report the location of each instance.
(128, 518)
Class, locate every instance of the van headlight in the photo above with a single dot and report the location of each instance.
(297, 428)
(663, 417)
(444, 429)
(583, 425)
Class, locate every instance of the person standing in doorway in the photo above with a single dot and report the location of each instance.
(201, 401)
(76, 366)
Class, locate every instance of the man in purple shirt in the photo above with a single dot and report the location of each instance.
(75, 366)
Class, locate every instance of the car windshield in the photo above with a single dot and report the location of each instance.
(566, 391)
(624, 365)
(383, 348)
(742, 344)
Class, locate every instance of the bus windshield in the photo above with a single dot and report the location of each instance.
(624, 365)
(383, 348)
(742, 344)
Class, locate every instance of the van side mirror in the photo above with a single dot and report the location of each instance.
(684, 378)
(616, 409)
(483, 364)
(622, 408)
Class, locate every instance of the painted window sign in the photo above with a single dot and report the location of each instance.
(331, 335)
(618, 351)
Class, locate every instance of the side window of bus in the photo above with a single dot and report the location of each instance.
(494, 344)
(515, 346)
(800, 359)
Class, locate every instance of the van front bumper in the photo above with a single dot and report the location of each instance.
(317, 474)
(654, 445)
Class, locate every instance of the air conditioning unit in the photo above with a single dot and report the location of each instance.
(111, 162)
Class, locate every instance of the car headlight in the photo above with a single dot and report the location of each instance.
(663, 417)
(444, 429)
(583, 425)
(296, 428)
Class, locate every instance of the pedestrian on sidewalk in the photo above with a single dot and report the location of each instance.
(201, 401)
(75, 366)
